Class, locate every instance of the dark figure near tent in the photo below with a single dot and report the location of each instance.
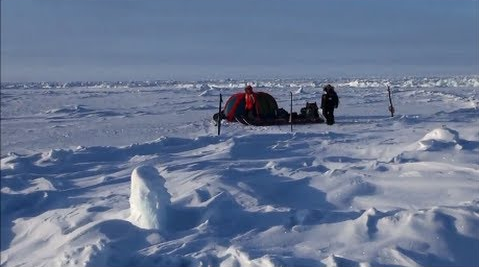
(329, 102)
(250, 102)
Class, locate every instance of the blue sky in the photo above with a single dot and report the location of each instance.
(65, 40)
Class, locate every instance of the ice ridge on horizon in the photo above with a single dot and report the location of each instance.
(406, 82)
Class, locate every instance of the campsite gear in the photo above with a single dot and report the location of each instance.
(265, 106)
(310, 111)
(218, 120)
(291, 111)
(268, 112)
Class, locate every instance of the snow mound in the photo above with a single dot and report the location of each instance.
(438, 139)
(337, 261)
(299, 91)
(208, 92)
(442, 134)
(68, 109)
(205, 87)
(149, 199)
(235, 257)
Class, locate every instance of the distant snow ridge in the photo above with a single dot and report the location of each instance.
(416, 82)
(299, 91)
(149, 199)
(406, 82)
(208, 92)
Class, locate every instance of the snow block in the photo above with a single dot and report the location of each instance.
(149, 199)
(439, 139)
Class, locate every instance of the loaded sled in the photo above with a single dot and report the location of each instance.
(267, 112)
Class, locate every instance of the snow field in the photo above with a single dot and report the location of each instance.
(142, 179)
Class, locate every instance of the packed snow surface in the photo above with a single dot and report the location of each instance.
(134, 174)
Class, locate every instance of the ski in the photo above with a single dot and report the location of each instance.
(291, 112)
(241, 120)
(272, 122)
(219, 115)
(391, 108)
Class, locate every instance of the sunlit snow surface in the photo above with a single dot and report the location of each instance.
(371, 189)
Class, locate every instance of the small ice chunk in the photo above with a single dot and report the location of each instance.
(149, 199)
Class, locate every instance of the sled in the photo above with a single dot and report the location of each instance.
(278, 121)
(268, 112)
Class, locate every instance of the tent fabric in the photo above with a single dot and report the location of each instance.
(265, 106)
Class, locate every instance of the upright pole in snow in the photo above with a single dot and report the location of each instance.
(391, 108)
(218, 122)
(291, 112)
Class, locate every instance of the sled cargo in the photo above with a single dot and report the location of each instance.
(268, 112)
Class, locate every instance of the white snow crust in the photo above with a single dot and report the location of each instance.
(134, 174)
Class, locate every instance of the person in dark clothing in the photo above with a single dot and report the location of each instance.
(329, 102)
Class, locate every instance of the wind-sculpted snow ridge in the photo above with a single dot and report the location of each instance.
(406, 82)
(234, 204)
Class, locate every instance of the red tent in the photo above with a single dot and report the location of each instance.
(266, 106)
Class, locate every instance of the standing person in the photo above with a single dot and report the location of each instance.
(250, 100)
(329, 102)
